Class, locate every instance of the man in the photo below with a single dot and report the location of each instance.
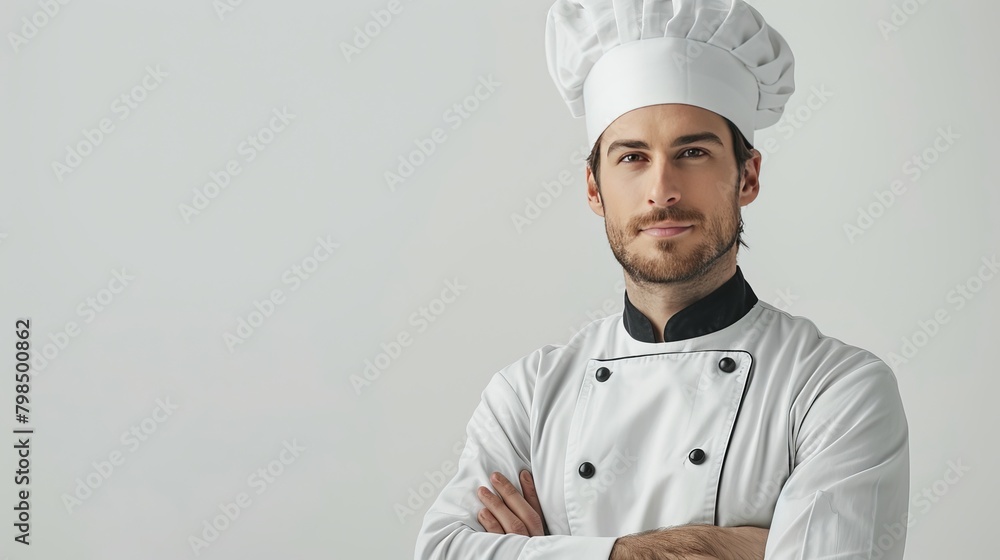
(700, 422)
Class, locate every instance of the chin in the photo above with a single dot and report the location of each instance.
(663, 242)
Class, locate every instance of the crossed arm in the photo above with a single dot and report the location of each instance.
(508, 512)
(844, 498)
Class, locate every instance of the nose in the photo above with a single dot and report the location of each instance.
(664, 190)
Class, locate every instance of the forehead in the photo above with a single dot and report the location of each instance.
(664, 122)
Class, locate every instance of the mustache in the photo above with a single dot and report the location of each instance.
(664, 215)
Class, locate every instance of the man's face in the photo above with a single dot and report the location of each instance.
(671, 163)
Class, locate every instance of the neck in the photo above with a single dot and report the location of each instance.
(660, 301)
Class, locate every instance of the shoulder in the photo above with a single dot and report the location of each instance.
(786, 333)
(817, 362)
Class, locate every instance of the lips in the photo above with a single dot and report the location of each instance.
(667, 225)
(665, 231)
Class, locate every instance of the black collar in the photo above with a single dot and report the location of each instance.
(719, 309)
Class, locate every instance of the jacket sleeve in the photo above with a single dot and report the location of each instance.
(498, 440)
(847, 494)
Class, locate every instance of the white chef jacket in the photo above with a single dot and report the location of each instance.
(745, 415)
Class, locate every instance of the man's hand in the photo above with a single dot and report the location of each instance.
(510, 513)
(693, 542)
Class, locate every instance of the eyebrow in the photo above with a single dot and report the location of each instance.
(679, 141)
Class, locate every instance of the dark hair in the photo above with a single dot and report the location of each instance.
(741, 150)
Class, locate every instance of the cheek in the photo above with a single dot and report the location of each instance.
(624, 193)
(715, 190)
(617, 222)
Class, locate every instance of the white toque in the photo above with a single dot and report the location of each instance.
(608, 57)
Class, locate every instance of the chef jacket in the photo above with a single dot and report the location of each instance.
(744, 415)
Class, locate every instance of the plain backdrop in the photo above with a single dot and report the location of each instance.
(147, 269)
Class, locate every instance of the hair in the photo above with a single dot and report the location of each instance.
(741, 150)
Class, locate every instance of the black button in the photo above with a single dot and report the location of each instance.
(727, 364)
(697, 456)
(603, 374)
(587, 470)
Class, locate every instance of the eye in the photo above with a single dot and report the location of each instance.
(699, 150)
(627, 155)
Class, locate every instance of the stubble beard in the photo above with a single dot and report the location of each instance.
(675, 261)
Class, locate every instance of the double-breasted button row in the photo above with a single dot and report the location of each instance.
(697, 456)
(726, 364)
(587, 469)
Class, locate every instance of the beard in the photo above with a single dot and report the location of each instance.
(680, 259)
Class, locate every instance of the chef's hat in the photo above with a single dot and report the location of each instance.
(608, 57)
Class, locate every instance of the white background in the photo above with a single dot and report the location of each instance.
(369, 449)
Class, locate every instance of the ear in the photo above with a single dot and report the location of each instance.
(593, 195)
(750, 179)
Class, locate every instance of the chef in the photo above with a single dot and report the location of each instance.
(701, 421)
